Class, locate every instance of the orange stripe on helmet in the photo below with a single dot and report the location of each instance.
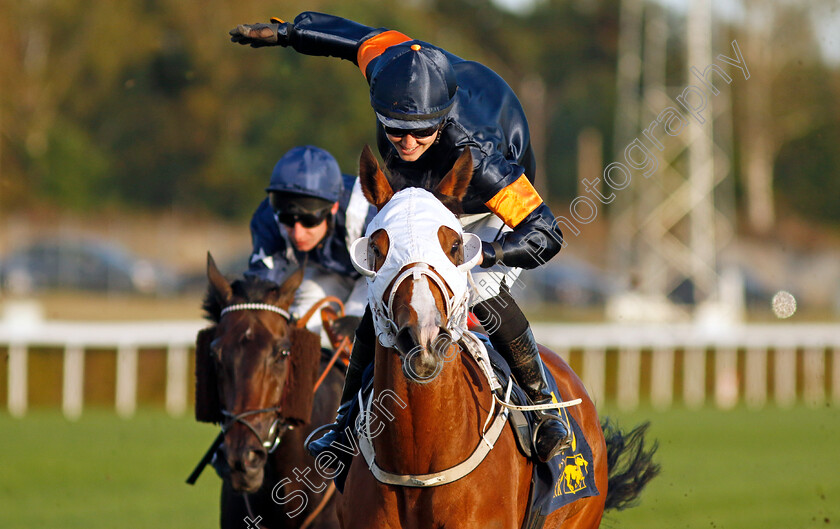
(515, 202)
(374, 46)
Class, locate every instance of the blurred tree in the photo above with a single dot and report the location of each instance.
(809, 174)
(785, 98)
(146, 103)
(560, 59)
(58, 57)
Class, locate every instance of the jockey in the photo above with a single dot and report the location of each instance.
(311, 215)
(431, 105)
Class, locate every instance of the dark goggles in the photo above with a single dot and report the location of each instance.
(417, 133)
(306, 220)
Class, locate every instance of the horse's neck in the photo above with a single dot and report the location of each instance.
(441, 422)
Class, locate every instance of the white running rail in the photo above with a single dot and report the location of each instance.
(662, 364)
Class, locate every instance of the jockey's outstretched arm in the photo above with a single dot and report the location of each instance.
(311, 34)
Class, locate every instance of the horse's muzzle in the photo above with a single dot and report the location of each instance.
(246, 463)
(423, 358)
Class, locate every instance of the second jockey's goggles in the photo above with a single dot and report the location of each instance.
(292, 209)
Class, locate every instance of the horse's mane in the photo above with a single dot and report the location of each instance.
(249, 289)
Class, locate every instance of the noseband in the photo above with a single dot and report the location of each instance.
(274, 433)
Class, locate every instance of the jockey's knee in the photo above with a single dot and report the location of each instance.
(501, 308)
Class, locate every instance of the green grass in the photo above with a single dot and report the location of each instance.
(105, 472)
(737, 469)
(741, 469)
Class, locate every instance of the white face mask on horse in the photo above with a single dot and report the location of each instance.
(412, 218)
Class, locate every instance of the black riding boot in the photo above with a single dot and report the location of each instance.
(551, 436)
(511, 335)
(360, 358)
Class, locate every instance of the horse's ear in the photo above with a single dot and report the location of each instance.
(286, 293)
(456, 181)
(220, 285)
(374, 184)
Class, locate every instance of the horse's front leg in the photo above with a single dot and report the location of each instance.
(366, 503)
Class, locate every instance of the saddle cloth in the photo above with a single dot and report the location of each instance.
(567, 477)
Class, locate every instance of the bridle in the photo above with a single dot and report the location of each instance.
(279, 427)
(455, 310)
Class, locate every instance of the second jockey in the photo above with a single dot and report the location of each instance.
(312, 214)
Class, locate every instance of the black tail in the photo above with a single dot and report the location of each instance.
(630, 464)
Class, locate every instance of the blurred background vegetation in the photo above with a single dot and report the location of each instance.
(145, 105)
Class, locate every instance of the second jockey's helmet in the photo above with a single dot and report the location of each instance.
(307, 171)
(412, 86)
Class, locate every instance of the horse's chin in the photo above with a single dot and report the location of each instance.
(247, 482)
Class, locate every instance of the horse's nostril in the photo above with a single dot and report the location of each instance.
(405, 340)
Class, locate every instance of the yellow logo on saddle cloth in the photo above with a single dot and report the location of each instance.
(568, 476)
(574, 468)
(573, 479)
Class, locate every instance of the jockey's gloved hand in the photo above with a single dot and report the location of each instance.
(346, 325)
(491, 253)
(258, 35)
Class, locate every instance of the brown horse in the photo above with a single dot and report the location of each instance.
(255, 375)
(438, 410)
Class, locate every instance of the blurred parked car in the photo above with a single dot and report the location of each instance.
(88, 265)
(566, 280)
(195, 281)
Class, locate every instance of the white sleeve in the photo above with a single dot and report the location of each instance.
(356, 214)
(357, 300)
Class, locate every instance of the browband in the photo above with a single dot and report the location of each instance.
(255, 306)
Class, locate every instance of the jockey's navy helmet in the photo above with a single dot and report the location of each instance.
(412, 86)
(307, 171)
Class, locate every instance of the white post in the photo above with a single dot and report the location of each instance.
(74, 381)
(594, 367)
(564, 353)
(785, 376)
(814, 366)
(694, 377)
(662, 378)
(755, 372)
(126, 392)
(835, 375)
(17, 380)
(629, 373)
(177, 361)
(726, 378)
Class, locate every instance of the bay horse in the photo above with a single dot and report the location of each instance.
(439, 409)
(255, 375)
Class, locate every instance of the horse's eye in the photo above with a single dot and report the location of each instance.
(373, 255)
(456, 246)
(282, 350)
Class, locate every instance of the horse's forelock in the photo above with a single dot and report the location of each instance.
(429, 183)
(250, 289)
(211, 305)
